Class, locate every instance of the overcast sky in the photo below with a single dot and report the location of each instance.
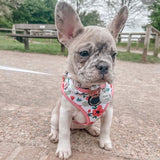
(140, 20)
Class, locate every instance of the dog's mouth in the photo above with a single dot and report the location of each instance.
(94, 78)
(103, 79)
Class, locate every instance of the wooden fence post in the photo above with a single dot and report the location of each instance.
(13, 29)
(138, 42)
(129, 43)
(146, 43)
(119, 38)
(26, 41)
(62, 48)
(156, 48)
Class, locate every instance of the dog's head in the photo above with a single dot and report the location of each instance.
(92, 49)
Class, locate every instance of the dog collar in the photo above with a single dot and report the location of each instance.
(94, 89)
(91, 102)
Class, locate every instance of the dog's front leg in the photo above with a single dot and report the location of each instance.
(106, 121)
(64, 147)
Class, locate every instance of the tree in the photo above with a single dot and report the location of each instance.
(91, 18)
(6, 8)
(155, 14)
(35, 11)
(51, 5)
(81, 5)
(135, 7)
(88, 16)
(107, 9)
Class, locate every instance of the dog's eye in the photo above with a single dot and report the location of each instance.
(84, 53)
(113, 56)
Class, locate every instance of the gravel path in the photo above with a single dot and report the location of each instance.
(27, 99)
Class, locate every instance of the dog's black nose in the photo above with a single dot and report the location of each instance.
(103, 68)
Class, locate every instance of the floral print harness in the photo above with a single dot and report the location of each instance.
(92, 103)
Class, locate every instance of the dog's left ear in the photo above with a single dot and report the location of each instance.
(118, 22)
(67, 22)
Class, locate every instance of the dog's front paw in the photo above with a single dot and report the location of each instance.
(53, 136)
(105, 144)
(63, 153)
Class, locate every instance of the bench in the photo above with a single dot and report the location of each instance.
(26, 31)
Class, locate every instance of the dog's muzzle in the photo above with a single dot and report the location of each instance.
(102, 68)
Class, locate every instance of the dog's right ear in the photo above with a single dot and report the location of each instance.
(118, 22)
(67, 22)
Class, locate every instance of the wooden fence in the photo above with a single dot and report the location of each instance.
(145, 37)
(138, 37)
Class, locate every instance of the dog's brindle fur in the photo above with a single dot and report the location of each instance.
(100, 44)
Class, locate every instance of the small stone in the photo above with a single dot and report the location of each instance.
(116, 119)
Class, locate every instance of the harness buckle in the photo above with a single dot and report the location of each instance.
(95, 93)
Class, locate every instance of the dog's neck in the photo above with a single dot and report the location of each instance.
(83, 86)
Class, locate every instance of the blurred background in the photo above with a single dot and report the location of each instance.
(92, 12)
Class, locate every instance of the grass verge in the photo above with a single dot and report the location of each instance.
(46, 47)
(134, 57)
(54, 48)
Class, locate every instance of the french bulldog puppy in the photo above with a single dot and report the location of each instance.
(87, 86)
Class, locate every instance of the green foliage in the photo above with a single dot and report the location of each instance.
(155, 15)
(91, 18)
(39, 11)
(6, 8)
(35, 11)
(26, 11)
(5, 22)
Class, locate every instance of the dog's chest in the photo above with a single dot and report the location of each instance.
(88, 107)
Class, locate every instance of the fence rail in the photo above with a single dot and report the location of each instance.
(5, 29)
(9, 29)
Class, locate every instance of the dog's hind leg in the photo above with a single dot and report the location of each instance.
(93, 130)
(53, 136)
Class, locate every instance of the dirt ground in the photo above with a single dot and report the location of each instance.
(27, 99)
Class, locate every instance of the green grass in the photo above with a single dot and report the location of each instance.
(44, 40)
(48, 48)
(4, 33)
(134, 57)
(7, 43)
